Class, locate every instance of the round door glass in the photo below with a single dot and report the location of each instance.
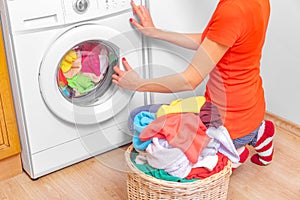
(84, 72)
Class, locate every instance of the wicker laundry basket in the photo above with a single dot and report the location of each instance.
(141, 186)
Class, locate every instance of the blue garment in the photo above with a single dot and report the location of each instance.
(249, 139)
(149, 108)
(141, 120)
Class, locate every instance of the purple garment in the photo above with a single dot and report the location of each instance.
(210, 116)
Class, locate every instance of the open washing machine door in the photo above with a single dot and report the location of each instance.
(75, 74)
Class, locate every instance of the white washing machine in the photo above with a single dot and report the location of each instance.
(60, 56)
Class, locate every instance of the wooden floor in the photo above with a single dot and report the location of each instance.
(104, 177)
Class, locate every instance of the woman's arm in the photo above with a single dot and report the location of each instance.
(189, 41)
(203, 62)
(146, 27)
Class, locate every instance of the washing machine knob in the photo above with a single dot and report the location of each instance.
(81, 6)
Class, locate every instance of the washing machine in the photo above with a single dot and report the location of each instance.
(61, 55)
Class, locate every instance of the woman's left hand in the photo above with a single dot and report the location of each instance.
(128, 79)
(146, 25)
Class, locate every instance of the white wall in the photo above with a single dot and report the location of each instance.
(281, 54)
(180, 16)
(281, 60)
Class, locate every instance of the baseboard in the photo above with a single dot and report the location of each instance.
(10, 167)
(284, 123)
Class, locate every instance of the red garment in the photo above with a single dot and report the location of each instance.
(235, 85)
(182, 130)
(201, 172)
(62, 79)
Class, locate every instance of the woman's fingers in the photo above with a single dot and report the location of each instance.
(127, 67)
(117, 75)
(127, 78)
(145, 24)
(120, 73)
(136, 24)
(118, 70)
(136, 9)
(141, 11)
(144, 11)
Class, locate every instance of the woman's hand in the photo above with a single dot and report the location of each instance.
(128, 79)
(146, 25)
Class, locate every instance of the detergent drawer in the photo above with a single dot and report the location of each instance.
(34, 14)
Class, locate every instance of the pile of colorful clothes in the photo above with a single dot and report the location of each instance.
(83, 68)
(181, 141)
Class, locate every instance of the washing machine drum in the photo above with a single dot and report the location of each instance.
(75, 75)
(84, 72)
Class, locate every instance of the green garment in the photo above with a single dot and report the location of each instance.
(113, 59)
(81, 83)
(157, 173)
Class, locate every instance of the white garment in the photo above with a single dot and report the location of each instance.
(220, 142)
(208, 162)
(162, 156)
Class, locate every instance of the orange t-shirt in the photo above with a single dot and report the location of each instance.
(235, 85)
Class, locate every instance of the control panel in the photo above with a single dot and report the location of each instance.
(113, 6)
(53, 13)
(81, 10)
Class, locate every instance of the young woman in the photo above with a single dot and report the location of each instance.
(229, 51)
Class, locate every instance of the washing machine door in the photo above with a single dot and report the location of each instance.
(75, 74)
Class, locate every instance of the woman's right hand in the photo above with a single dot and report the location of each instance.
(146, 25)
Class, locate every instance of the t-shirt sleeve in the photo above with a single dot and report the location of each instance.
(227, 25)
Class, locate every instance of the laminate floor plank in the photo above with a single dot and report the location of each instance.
(104, 178)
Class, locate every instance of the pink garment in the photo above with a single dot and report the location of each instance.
(90, 63)
(91, 46)
(90, 58)
(182, 130)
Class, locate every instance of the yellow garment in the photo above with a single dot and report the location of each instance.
(68, 60)
(191, 104)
